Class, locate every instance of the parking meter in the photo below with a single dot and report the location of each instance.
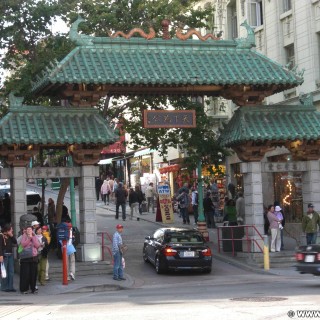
(63, 236)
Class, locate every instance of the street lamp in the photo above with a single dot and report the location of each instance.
(202, 225)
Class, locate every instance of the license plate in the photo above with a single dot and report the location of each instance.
(188, 254)
(309, 258)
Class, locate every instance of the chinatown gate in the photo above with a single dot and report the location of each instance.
(120, 64)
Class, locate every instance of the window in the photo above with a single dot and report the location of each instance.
(286, 5)
(290, 60)
(234, 25)
(255, 13)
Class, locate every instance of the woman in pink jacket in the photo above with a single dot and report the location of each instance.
(106, 191)
(28, 261)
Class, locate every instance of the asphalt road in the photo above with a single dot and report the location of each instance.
(227, 293)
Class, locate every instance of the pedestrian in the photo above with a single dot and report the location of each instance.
(47, 235)
(141, 197)
(105, 191)
(310, 223)
(240, 208)
(111, 184)
(231, 212)
(52, 219)
(42, 256)
(114, 188)
(275, 230)
(280, 216)
(195, 204)
(117, 254)
(65, 214)
(184, 202)
(71, 257)
(35, 225)
(150, 194)
(209, 209)
(98, 184)
(7, 240)
(38, 215)
(133, 202)
(121, 195)
(28, 260)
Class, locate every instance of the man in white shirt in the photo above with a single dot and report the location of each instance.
(150, 193)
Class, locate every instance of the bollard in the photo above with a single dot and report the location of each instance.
(64, 263)
(266, 260)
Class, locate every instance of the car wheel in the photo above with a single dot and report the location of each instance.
(159, 266)
(144, 255)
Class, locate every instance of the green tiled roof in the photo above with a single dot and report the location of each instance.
(271, 123)
(43, 125)
(159, 62)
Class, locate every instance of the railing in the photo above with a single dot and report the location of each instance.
(248, 234)
(105, 239)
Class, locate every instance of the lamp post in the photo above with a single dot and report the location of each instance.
(72, 196)
(202, 225)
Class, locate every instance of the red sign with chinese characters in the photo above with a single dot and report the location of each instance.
(169, 119)
(118, 146)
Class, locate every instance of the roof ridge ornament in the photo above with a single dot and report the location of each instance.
(147, 36)
(15, 102)
(75, 36)
(191, 32)
(306, 99)
(250, 40)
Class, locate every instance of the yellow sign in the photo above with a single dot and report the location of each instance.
(165, 204)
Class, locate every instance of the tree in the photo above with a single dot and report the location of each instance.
(30, 46)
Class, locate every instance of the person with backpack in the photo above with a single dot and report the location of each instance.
(195, 204)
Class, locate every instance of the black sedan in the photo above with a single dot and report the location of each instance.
(308, 259)
(177, 249)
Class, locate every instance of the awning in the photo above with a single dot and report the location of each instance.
(105, 161)
(143, 152)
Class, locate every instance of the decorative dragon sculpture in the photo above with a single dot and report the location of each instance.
(191, 32)
(147, 36)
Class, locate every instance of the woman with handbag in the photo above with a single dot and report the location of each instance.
(7, 240)
(28, 261)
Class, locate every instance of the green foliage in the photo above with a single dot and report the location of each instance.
(198, 143)
(30, 46)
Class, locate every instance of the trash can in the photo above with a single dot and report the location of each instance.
(238, 234)
(39, 182)
(55, 184)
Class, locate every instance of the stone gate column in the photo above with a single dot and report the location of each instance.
(252, 178)
(18, 195)
(311, 185)
(89, 249)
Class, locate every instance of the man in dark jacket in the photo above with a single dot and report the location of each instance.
(121, 196)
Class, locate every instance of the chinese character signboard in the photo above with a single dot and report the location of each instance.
(165, 204)
(169, 119)
(285, 166)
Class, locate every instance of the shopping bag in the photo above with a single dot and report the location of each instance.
(3, 271)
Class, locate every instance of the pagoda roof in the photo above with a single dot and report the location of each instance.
(53, 126)
(228, 68)
(271, 123)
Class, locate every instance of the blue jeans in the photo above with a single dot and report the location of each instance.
(123, 207)
(7, 283)
(311, 238)
(117, 265)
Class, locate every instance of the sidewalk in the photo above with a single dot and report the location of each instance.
(106, 283)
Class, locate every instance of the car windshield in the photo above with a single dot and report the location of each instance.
(187, 237)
